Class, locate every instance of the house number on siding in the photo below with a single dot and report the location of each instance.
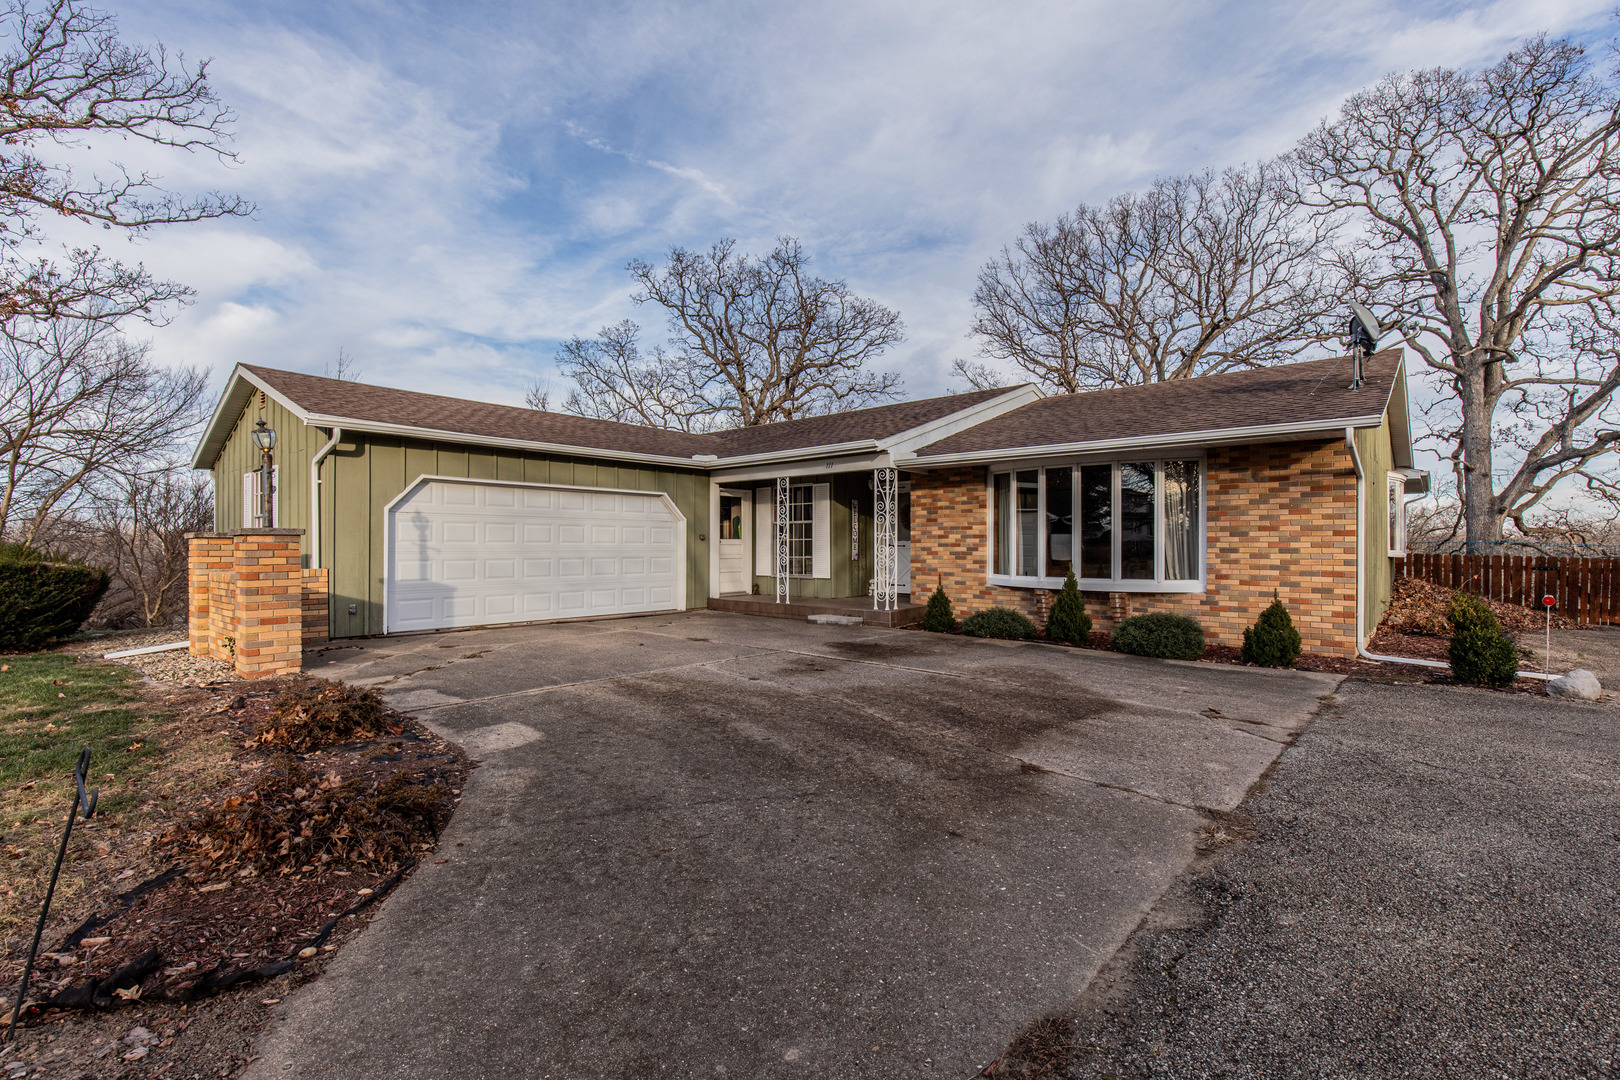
(854, 528)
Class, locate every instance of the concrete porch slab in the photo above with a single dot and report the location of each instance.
(904, 614)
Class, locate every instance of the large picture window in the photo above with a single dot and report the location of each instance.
(1125, 524)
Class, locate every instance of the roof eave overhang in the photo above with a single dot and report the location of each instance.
(860, 446)
(239, 390)
(1212, 437)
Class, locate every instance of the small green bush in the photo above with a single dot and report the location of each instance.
(939, 618)
(1272, 641)
(1069, 621)
(999, 622)
(42, 599)
(1480, 653)
(1171, 637)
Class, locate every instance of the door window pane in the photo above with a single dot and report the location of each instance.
(1097, 521)
(1181, 520)
(1059, 521)
(800, 531)
(1029, 507)
(1136, 520)
(1004, 523)
(731, 517)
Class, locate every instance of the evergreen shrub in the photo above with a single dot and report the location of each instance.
(1160, 634)
(1272, 641)
(999, 622)
(1069, 621)
(939, 619)
(42, 599)
(1480, 653)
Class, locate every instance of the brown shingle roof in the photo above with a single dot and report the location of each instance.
(434, 412)
(1316, 391)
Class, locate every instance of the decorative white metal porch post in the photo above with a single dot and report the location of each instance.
(886, 525)
(781, 539)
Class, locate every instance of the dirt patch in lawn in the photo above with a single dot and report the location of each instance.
(218, 872)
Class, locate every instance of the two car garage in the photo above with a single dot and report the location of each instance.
(473, 553)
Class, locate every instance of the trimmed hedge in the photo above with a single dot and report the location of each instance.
(1480, 653)
(1272, 641)
(999, 622)
(939, 618)
(1069, 621)
(1160, 634)
(42, 599)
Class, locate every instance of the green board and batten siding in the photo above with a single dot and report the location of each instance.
(371, 470)
(1377, 450)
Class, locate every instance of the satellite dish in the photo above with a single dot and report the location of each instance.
(1364, 331)
(1364, 328)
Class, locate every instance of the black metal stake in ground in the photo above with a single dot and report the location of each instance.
(81, 804)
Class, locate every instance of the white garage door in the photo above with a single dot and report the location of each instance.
(471, 554)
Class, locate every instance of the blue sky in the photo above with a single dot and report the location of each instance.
(447, 190)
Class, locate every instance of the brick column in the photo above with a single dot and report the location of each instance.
(1119, 606)
(317, 606)
(207, 553)
(270, 601)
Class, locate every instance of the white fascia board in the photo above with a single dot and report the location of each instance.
(410, 431)
(805, 468)
(1400, 419)
(1213, 437)
(231, 403)
(946, 426)
(797, 454)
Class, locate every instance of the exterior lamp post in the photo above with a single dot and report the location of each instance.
(265, 439)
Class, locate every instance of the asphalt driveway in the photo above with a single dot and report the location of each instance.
(713, 845)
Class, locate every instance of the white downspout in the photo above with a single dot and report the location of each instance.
(315, 498)
(1361, 569)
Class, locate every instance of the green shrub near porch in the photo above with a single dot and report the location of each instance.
(999, 622)
(1272, 641)
(1069, 621)
(939, 618)
(1160, 634)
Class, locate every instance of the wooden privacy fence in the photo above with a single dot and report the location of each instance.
(1588, 590)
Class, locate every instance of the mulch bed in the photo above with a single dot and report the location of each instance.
(191, 925)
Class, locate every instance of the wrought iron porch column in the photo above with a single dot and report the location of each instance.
(885, 549)
(781, 538)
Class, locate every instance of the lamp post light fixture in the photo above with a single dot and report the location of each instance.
(265, 439)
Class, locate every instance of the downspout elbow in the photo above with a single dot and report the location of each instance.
(315, 498)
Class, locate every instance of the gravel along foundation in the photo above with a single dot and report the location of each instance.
(246, 830)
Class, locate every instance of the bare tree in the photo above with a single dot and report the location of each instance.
(343, 368)
(1489, 202)
(80, 403)
(758, 340)
(65, 77)
(1197, 275)
(614, 380)
(538, 396)
(977, 376)
(140, 525)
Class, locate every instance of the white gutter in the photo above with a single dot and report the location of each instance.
(1209, 437)
(1361, 570)
(315, 498)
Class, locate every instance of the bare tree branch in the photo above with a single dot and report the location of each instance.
(614, 380)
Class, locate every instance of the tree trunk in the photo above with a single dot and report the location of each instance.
(1482, 519)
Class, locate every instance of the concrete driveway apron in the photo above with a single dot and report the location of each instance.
(711, 845)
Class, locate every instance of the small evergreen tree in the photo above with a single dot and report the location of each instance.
(1272, 641)
(1480, 653)
(1069, 621)
(939, 618)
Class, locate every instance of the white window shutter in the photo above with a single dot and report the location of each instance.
(821, 532)
(250, 483)
(764, 530)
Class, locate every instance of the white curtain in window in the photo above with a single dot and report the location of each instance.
(1181, 520)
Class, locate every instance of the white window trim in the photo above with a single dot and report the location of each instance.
(820, 530)
(1397, 481)
(1115, 584)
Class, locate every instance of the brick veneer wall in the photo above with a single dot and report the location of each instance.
(247, 596)
(1279, 516)
(316, 605)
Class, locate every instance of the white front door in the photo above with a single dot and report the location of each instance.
(902, 544)
(475, 553)
(733, 543)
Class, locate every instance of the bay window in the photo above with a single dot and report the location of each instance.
(1130, 524)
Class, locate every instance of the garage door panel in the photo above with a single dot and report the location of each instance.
(471, 553)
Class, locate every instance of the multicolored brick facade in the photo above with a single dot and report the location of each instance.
(248, 593)
(1279, 516)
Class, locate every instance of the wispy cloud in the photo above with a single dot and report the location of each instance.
(447, 191)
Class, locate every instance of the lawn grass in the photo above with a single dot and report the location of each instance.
(53, 705)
